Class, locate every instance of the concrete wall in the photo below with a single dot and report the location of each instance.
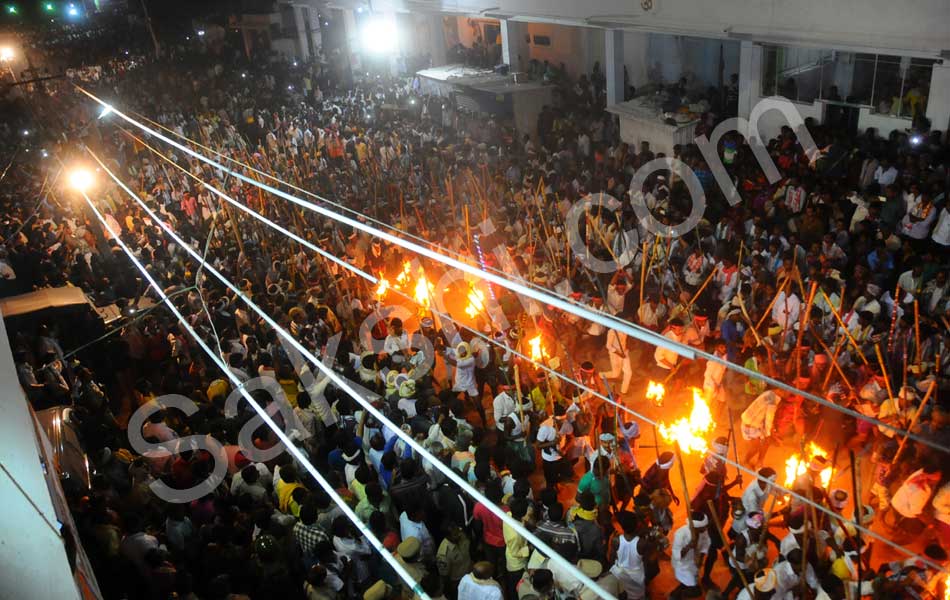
(917, 25)
(33, 560)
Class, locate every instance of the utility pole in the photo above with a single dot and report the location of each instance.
(151, 30)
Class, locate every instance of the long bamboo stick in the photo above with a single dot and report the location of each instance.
(844, 328)
(887, 377)
(920, 409)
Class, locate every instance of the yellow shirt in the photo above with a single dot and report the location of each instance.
(285, 501)
(517, 550)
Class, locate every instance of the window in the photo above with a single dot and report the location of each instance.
(542, 40)
(892, 85)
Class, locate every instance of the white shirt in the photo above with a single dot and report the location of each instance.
(502, 406)
(686, 569)
(883, 177)
(547, 433)
(475, 589)
(753, 497)
(465, 376)
(786, 310)
(941, 233)
(409, 528)
(395, 343)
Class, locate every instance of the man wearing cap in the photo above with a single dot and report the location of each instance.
(762, 587)
(657, 476)
(408, 554)
(464, 381)
(691, 544)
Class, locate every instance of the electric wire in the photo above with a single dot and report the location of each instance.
(236, 381)
(725, 458)
(372, 410)
(543, 296)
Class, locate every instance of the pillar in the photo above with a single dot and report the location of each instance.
(437, 49)
(514, 52)
(750, 74)
(938, 104)
(613, 56)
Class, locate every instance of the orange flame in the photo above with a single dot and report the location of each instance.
(423, 291)
(655, 392)
(688, 432)
(383, 286)
(476, 301)
(946, 588)
(403, 276)
(796, 466)
(537, 350)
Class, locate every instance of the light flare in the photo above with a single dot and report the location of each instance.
(689, 431)
(423, 292)
(538, 352)
(655, 393)
(476, 301)
(797, 465)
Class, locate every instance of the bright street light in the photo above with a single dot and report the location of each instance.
(11, 8)
(72, 11)
(201, 32)
(81, 179)
(379, 36)
(6, 54)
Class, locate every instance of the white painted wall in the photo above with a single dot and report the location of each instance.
(771, 122)
(938, 105)
(918, 25)
(884, 124)
(32, 557)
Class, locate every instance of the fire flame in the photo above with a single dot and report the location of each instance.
(476, 301)
(688, 432)
(796, 465)
(946, 588)
(655, 392)
(401, 280)
(403, 276)
(537, 350)
(423, 291)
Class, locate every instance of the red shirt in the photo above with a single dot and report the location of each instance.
(491, 525)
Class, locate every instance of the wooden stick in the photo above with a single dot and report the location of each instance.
(887, 378)
(702, 287)
(834, 362)
(689, 512)
(518, 394)
(768, 309)
(715, 517)
(844, 327)
(643, 270)
(920, 409)
(858, 509)
(897, 295)
(802, 321)
(917, 329)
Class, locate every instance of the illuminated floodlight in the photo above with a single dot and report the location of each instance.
(72, 10)
(25, 132)
(106, 111)
(916, 140)
(44, 153)
(379, 36)
(49, 7)
(81, 179)
(201, 32)
(11, 9)
(7, 54)
(243, 75)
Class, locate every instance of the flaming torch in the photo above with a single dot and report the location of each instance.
(538, 353)
(688, 432)
(383, 286)
(797, 465)
(423, 292)
(655, 392)
(476, 301)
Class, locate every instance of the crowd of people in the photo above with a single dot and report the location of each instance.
(831, 279)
